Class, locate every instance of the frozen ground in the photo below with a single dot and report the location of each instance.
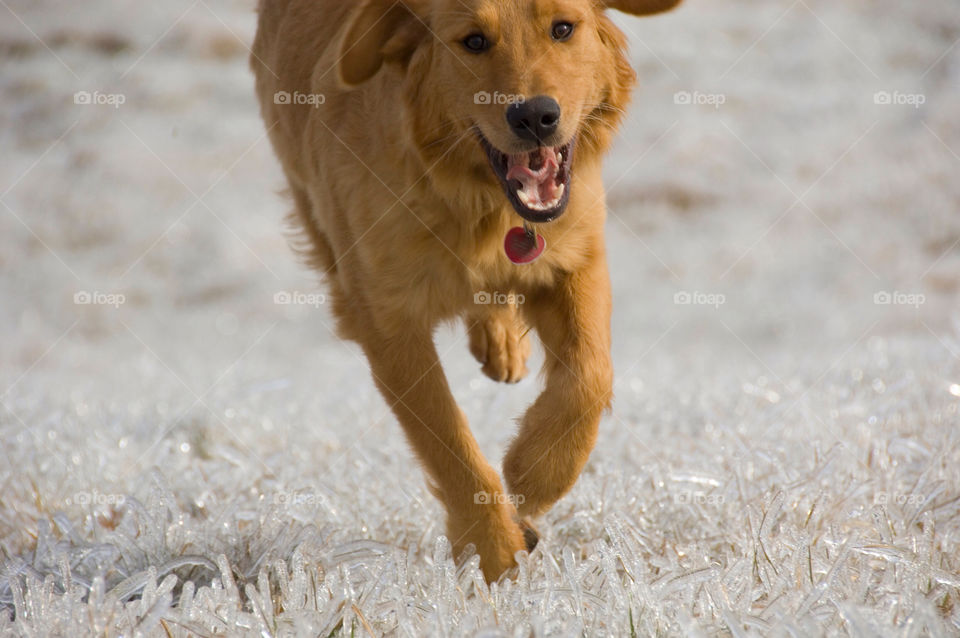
(199, 459)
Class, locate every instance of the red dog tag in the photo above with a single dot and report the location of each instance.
(523, 245)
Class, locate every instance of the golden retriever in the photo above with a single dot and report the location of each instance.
(444, 157)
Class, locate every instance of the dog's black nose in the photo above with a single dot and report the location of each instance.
(535, 119)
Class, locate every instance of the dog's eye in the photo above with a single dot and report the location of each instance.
(476, 43)
(561, 31)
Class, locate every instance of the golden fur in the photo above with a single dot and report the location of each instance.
(405, 218)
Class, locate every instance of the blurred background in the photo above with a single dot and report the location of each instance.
(784, 238)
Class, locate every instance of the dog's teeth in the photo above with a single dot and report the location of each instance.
(559, 158)
(536, 205)
(553, 203)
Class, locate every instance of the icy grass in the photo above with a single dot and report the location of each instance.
(747, 530)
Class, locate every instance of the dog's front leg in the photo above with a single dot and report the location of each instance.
(559, 430)
(408, 373)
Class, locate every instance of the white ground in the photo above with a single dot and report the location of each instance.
(787, 462)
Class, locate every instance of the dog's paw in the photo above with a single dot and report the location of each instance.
(499, 342)
(496, 534)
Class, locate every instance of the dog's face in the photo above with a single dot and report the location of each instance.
(525, 84)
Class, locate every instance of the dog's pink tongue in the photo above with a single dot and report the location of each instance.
(538, 186)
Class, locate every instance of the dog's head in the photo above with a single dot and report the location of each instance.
(526, 85)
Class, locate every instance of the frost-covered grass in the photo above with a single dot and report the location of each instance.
(192, 458)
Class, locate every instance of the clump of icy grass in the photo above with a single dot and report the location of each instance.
(736, 529)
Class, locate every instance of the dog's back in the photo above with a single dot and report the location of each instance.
(293, 38)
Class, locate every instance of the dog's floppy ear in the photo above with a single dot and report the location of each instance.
(641, 7)
(378, 31)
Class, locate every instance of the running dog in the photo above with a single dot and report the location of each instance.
(444, 158)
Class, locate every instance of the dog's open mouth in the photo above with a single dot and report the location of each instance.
(537, 182)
